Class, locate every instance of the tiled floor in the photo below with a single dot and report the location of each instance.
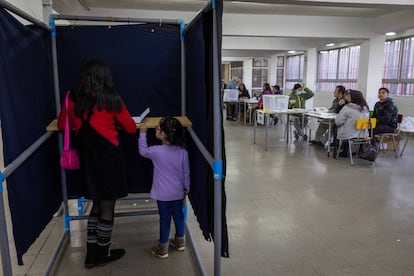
(291, 211)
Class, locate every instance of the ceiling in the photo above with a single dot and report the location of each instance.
(362, 9)
(285, 7)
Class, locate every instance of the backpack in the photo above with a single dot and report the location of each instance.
(368, 152)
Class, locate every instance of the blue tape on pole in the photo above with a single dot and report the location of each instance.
(67, 221)
(213, 4)
(182, 28)
(2, 178)
(52, 24)
(81, 200)
(185, 209)
(218, 169)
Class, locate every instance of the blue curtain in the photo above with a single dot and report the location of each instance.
(26, 108)
(145, 62)
(200, 84)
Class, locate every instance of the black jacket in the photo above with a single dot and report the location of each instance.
(386, 113)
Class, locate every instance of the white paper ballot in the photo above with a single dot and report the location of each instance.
(138, 119)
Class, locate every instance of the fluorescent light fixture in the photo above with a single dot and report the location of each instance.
(250, 3)
(390, 33)
(330, 44)
(323, 52)
(291, 52)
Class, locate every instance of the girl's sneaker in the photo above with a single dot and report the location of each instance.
(161, 250)
(178, 243)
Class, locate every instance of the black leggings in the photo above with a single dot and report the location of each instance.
(103, 209)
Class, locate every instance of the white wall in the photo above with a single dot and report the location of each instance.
(247, 74)
(272, 69)
(371, 68)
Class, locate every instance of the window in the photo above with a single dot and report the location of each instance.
(280, 71)
(237, 70)
(259, 75)
(398, 74)
(338, 67)
(294, 70)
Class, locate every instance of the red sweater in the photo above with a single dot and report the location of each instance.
(104, 122)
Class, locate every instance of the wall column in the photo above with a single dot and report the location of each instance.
(371, 65)
(310, 69)
(248, 74)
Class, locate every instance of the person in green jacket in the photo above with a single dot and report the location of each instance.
(297, 98)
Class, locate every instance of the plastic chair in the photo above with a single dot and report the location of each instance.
(396, 134)
(365, 127)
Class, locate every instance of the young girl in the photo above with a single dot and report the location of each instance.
(171, 180)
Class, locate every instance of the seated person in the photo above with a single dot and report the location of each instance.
(266, 91)
(297, 99)
(386, 113)
(355, 108)
(243, 94)
(231, 107)
(321, 136)
(276, 90)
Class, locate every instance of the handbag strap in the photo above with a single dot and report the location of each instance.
(66, 137)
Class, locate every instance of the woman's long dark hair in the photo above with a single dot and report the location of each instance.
(96, 88)
(358, 98)
(244, 88)
(266, 87)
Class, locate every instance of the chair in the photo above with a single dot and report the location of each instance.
(364, 137)
(396, 134)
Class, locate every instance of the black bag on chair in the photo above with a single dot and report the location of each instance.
(368, 152)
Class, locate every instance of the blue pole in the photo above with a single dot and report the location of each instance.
(4, 239)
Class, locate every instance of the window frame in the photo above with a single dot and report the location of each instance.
(395, 84)
(348, 82)
(301, 72)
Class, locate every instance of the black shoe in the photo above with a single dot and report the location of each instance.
(275, 120)
(296, 134)
(316, 143)
(104, 258)
(305, 137)
(90, 260)
(344, 153)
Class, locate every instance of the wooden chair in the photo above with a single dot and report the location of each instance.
(365, 127)
(381, 136)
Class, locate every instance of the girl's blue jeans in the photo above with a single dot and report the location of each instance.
(166, 210)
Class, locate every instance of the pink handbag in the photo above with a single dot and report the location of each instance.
(70, 158)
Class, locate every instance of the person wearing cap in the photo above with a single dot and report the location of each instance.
(321, 136)
(297, 99)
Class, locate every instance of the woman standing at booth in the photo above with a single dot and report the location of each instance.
(96, 111)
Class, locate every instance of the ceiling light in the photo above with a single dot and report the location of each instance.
(323, 52)
(291, 52)
(330, 44)
(390, 33)
(250, 3)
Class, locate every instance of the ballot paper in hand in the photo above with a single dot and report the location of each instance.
(138, 119)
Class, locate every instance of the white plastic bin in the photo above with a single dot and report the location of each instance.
(231, 95)
(275, 102)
